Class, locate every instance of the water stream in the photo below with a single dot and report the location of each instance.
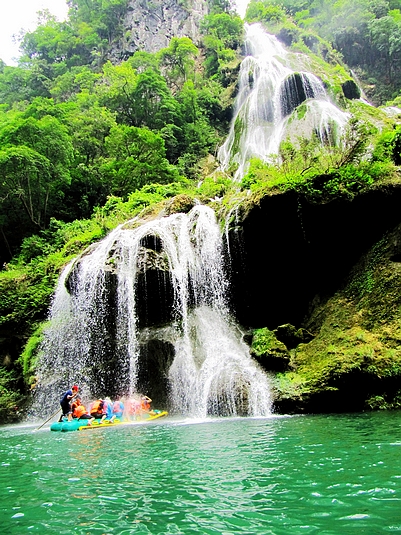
(272, 85)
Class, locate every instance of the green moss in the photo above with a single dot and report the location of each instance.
(288, 386)
(12, 401)
(358, 333)
(29, 355)
(238, 130)
(301, 111)
(265, 341)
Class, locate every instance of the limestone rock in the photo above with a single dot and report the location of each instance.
(149, 26)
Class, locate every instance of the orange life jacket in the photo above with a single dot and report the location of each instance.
(98, 406)
(145, 405)
(74, 405)
(79, 411)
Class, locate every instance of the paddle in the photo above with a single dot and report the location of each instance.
(50, 417)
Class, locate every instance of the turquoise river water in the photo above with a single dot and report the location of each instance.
(326, 475)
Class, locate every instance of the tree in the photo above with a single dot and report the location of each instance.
(223, 35)
(72, 82)
(25, 175)
(105, 16)
(178, 60)
(34, 169)
(258, 11)
(90, 125)
(49, 42)
(136, 156)
(22, 84)
(154, 105)
(115, 90)
(386, 37)
(142, 99)
(142, 61)
(227, 28)
(47, 136)
(219, 6)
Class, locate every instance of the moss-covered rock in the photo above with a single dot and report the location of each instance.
(351, 90)
(291, 336)
(354, 362)
(182, 203)
(272, 354)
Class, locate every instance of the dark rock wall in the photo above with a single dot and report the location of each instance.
(295, 90)
(155, 299)
(289, 252)
(155, 359)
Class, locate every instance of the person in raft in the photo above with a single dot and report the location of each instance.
(65, 403)
(80, 413)
(98, 410)
(145, 404)
(118, 410)
(108, 408)
(74, 405)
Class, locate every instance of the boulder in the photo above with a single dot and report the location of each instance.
(271, 354)
(351, 90)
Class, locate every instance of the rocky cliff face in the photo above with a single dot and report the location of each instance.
(288, 253)
(150, 26)
(330, 271)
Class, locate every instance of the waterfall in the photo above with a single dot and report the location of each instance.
(162, 280)
(269, 94)
(241, 7)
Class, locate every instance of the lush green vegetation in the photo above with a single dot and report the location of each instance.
(321, 173)
(76, 129)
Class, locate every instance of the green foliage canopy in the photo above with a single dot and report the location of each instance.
(136, 156)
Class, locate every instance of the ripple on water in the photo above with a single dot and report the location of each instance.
(241, 476)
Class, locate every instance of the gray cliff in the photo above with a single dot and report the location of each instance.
(150, 26)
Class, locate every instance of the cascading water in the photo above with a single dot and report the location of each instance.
(270, 92)
(94, 333)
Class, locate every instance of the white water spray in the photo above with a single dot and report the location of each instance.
(212, 371)
(269, 92)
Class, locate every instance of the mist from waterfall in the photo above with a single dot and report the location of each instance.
(269, 93)
(93, 336)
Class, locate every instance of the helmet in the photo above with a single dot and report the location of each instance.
(75, 388)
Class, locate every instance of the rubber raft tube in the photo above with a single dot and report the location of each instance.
(80, 425)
